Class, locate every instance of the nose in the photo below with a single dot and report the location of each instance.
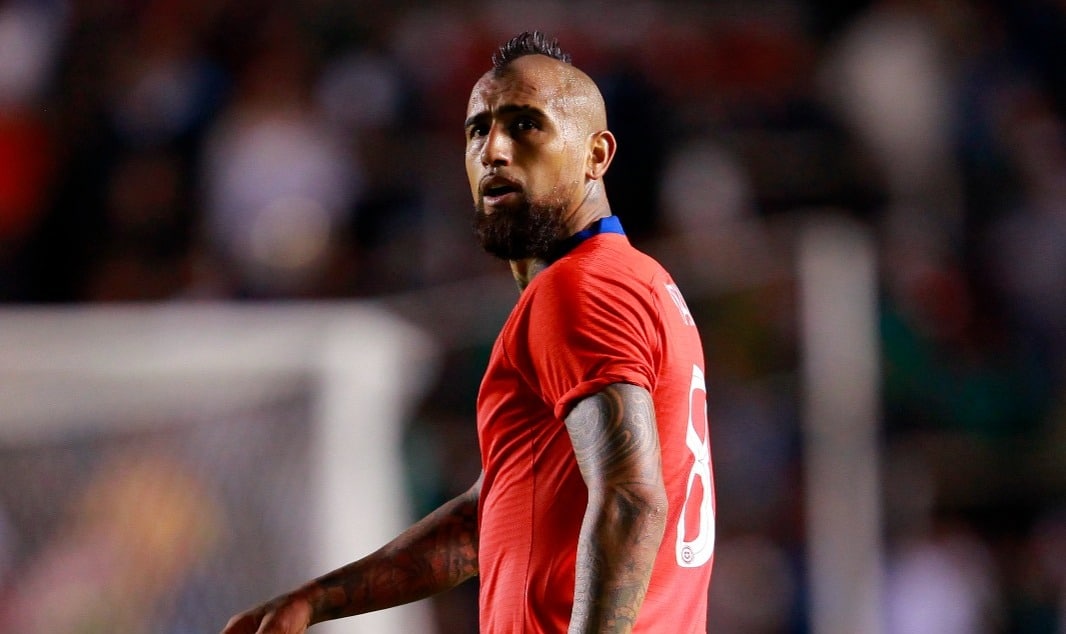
(496, 151)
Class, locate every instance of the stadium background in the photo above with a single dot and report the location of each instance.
(161, 153)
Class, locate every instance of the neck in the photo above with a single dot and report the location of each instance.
(592, 207)
(525, 270)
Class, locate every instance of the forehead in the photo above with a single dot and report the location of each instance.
(527, 81)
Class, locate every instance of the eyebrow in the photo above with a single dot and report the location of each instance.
(503, 110)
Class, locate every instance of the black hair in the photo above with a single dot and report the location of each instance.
(528, 43)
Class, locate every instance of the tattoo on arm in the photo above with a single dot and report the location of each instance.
(435, 554)
(616, 445)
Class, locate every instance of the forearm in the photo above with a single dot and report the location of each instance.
(619, 539)
(616, 445)
(433, 555)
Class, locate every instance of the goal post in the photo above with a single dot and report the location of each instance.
(837, 267)
(203, 457)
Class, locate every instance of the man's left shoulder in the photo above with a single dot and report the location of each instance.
(615, 254)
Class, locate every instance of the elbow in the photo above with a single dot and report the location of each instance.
(637, 509)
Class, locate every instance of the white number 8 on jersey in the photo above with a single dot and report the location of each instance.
(695, 551)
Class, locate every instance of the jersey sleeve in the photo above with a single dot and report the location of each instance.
(589, 331)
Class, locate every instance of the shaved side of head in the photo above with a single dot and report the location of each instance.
(571, 89)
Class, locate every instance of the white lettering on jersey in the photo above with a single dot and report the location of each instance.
(679, 301)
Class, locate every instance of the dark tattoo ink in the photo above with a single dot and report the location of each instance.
(616, 445)
(435, 554)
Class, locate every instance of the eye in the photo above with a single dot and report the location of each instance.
(525, 124)
(477, 130)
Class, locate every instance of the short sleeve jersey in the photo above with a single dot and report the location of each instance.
(604, 313)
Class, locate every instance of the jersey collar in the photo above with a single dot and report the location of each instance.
(607, 224)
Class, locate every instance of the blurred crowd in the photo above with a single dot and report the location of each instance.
(163, 150)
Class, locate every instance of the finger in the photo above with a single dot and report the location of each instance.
(240, 624)
(281, 622)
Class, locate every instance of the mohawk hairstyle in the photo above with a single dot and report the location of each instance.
(528, 43)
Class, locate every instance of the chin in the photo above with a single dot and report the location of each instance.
(518, 232)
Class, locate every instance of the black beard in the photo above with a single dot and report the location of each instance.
(525, 230)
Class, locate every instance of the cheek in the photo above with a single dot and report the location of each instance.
(564, 165)
(473, 174)
(572, 157)
(570, 168)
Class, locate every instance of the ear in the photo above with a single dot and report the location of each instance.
(601, 152)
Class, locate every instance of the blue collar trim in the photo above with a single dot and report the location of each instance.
(608, 224)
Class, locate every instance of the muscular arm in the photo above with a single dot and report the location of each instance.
(433, 555)
(617, 448)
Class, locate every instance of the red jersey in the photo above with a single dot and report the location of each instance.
(604, 313)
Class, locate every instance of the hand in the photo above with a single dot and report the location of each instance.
(284, 615)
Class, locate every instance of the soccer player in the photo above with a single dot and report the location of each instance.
(594, 511)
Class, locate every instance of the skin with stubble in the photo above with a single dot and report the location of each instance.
(537, 147)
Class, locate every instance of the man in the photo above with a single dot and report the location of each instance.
(594, 511)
